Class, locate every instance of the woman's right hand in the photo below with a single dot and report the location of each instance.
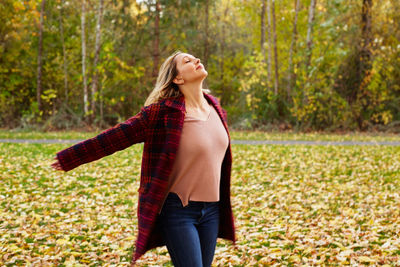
(56, 165)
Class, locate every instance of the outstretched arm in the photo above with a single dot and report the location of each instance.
(117, 138)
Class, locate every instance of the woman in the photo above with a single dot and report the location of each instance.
(184, 193)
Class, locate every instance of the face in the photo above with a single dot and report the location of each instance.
(189, 69)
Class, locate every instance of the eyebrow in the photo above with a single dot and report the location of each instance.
(185, 57)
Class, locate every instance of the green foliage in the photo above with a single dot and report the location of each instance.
(328, 95)
(260, 101)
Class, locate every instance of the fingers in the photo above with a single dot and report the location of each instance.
(56, 165)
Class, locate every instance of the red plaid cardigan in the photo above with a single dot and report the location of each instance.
(159, 126)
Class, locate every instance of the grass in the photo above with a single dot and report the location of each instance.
(235, 135)
(293, 205)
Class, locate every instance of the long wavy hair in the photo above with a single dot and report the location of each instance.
(165, 87)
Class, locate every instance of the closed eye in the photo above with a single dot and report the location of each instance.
(188, 60)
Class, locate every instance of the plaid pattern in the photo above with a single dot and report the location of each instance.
(159, 126)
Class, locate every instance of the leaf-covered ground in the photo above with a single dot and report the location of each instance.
(293, 205)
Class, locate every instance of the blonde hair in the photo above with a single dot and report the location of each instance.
(165, 87)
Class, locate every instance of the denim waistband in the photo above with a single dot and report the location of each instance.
(173, 197)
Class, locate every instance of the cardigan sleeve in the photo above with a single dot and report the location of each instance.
(225, 114)
(117, 138)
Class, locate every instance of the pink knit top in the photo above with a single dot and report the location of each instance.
(197, 168)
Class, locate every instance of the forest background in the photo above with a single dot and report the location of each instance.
(331, 65)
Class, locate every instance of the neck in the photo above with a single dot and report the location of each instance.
(194, 97)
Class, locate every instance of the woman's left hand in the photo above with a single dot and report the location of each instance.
(56, 165)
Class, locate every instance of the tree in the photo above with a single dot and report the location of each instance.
(365, 56)
(65, 63)
(276, 82)
(85, 89)
(269, 42)
(39, 59)
(263, 29)
(291, 74)
(354, 74)
(206, 31)
(309, 43)
(95, 79)
(156, 40)
(222, 46)
(309, 33)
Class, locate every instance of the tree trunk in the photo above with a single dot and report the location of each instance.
(156, 43)
(355, 72)
(263, 30)
(364, 71)
(269, 43)
(95, 79)
(101, 108)
(85, 89)
(366, 37)
(309, 33)
(222, 53)
(65, 63)
(39, 60)
(291, 74)
(206, 45)
(311, 12)
(276, 85)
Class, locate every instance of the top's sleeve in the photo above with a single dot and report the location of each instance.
(117, 138)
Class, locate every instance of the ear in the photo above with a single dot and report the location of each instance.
(178, 80)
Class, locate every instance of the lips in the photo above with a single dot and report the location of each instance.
(199, 66)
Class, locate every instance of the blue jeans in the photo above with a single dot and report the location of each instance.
(190, 232)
